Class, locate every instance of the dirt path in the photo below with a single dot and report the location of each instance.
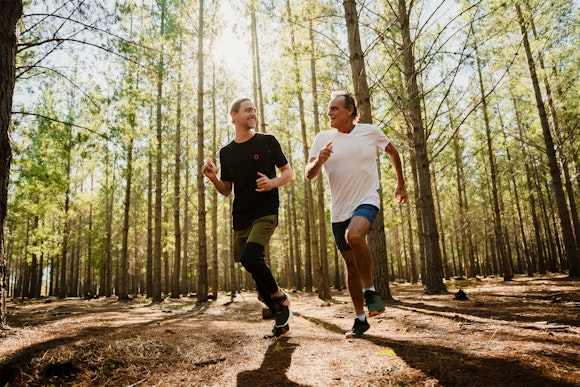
(522, 333)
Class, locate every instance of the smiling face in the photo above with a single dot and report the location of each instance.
(339, 116)
(245, 117)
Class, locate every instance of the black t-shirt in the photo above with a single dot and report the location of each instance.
(240, 164)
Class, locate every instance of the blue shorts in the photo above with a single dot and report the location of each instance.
(367, 211)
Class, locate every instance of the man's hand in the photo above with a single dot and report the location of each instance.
(312, 169)
(401, 194)
(264, 183)
(209, 169)
(324, 153)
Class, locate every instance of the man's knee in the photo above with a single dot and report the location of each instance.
(252, 253)
(355, 238)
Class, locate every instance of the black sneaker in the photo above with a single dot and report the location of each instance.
(357, 329)
(281, 310)
(278, 332)
(374, 303)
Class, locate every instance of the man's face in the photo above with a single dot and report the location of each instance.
(246, 115)
(339, 116)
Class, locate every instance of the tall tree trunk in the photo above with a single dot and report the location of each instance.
(290, 269)
(525, 246)
(234, 286)
(570, 249)
(295, 240)
(570, 126)
(34, 269)
(377, 238)
(412, 269)
(176, 276)
(214, 196)
(10, 17)
(88, 288)
(108, 261)
(310, 240)
(158, 168)
(122, 292)
(434, 270)
(76, 261)
(561, 144)
(166, 282)
(444, 259)
(63, 289)
(257, 74)
(418, 216)
(464, 252)
(497, 215)
(149, 260)
(461, 248)
(203, 281)
(546, 243)
(40, 276)
(184, 287)
(324, 284)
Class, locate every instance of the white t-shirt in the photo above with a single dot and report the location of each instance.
(352, 168)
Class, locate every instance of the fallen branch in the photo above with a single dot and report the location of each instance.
(139, 382)
(486, 344)
(210, 361)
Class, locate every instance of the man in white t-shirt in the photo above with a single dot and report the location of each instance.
(348, 153)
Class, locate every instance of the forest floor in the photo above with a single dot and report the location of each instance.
(525, 332)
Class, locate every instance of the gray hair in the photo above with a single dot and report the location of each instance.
(348, 102)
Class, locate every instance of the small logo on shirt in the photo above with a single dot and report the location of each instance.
(256, 156)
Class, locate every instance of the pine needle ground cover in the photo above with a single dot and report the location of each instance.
(520, 333)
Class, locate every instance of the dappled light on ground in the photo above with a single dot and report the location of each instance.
(520, 333)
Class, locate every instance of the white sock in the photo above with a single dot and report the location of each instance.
(372, 287)
(361, 316)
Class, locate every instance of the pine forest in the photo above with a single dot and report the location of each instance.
(110, 108)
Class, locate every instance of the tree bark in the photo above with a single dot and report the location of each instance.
(10, 18)
(324, 284)
(377, 238)
(63, 289)
(185, 281)
(561, 144)
(108, 261)
(214, 198)
(433, 271)
(257, 74)
(203, 281)
(156, 293)
(497, 215)
(310, 240)
(122, 292)
(176, 275)
(149, 260)
(570, 249)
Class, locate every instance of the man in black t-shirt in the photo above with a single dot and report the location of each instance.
(248, 163)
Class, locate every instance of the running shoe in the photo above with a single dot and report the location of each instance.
(278, 332)
(374, 303)
(357, 329)
(281, 309)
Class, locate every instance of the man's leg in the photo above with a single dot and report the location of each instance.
(361, 324)
(353, 282)
(252, 259)
(356, 236)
